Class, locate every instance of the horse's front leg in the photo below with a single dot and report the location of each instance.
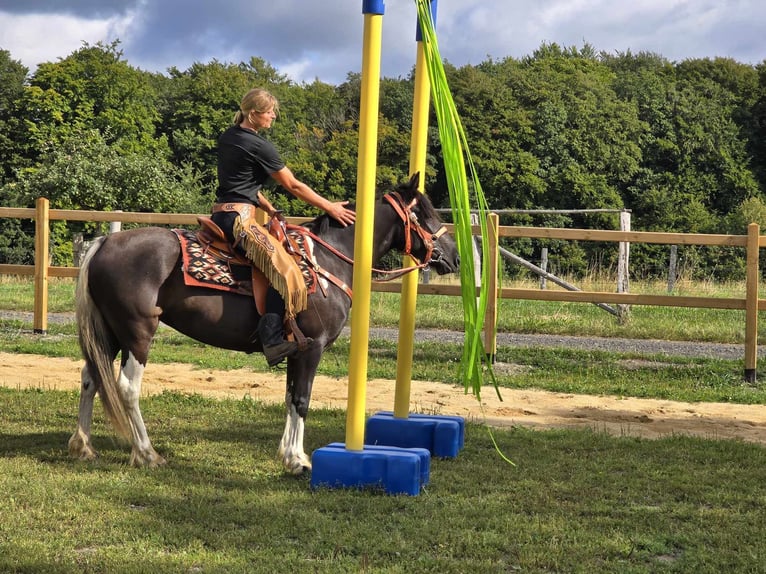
(291, 450)
(80, 445)
(129, 382)
(300, 377)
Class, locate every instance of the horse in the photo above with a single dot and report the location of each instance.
(130, 281)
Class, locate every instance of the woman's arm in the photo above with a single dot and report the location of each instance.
(265, 204)
(337, 209)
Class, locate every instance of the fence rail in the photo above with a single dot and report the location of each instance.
(750, 303)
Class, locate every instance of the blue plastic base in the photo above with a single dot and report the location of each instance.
(396, 470)
(442, 435)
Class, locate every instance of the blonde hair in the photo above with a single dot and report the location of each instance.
(256, 100)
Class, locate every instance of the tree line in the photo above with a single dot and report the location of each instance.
(679, 144)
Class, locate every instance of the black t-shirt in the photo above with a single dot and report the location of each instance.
(245, 161)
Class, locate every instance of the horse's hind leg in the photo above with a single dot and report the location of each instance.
(79, 445)
(129, 382)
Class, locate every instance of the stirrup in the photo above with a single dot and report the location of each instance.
(275, 354)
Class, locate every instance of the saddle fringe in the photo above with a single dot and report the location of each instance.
(280, 268)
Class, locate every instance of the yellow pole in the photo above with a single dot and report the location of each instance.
(408, 303)
(365, 213)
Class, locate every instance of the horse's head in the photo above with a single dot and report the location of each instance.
(425, 237)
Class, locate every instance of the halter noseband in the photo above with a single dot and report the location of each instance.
(411, 223)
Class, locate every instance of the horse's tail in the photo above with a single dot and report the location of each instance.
(97, 342)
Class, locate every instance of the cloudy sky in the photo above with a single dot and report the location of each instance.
(309, 39)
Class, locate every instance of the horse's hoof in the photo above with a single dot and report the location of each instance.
(298, 467)
(81, 449)
(157, 462)
(149, 460)
(85, 455)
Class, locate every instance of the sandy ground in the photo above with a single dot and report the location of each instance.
(535, 409)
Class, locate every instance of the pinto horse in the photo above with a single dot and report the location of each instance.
(131, 281)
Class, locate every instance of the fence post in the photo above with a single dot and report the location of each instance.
(623, 268)
(751, 303)
(544, 267)
(493, 260)
(42, 239)
(672, 268)
(116, 226)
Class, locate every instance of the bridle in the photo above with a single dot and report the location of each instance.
(411, 225)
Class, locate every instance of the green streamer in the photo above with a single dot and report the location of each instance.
(456, 155)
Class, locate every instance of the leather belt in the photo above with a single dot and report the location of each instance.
(229, 206)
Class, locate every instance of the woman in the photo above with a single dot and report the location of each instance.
(246, 160)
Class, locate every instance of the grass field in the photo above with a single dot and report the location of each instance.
(516, 316)
(554, 369)
(576, 501)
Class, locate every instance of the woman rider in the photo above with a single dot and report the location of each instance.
(246, 160)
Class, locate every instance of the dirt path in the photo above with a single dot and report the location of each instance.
(536, 409)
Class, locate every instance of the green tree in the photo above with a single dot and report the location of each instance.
(757, 142)
(695, 166)
(313, 115)
(500, 131)
(198, 104)
(93, 88)
(85, 172)
(12, 81)
(585, 135)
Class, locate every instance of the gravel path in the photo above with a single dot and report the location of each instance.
(616, 344)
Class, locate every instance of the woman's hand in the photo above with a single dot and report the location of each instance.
(335, 209)
(340, 213)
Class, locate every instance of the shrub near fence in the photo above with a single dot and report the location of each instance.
(752, 243)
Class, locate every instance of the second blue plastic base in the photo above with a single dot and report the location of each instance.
(442, 435)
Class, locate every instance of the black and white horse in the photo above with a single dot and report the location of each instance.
(131, 281)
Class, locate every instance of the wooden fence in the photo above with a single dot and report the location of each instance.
(750, 303)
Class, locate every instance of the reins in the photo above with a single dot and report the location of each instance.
(410, 221)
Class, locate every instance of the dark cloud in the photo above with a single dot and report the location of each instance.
(323, 38)
(280, 32)
(80, 8)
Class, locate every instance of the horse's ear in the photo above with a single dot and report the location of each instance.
(414, 182)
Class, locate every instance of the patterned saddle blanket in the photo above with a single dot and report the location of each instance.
(211, 263)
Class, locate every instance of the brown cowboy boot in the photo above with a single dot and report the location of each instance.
(271, 332)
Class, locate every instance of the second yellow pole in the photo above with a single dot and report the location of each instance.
(408, 302)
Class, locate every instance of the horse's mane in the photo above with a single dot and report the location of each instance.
(427, 209)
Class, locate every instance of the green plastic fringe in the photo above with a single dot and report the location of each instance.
(475, 362)
(280, 269)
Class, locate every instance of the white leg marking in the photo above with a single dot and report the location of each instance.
(129, 382)
(294, 459)
(79, 444)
